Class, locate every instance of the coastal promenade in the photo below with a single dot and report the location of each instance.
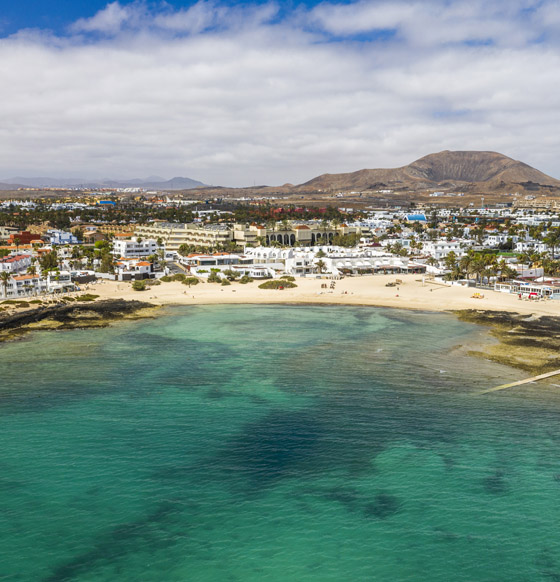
(413, 293)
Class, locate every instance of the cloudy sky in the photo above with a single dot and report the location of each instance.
(261, 92)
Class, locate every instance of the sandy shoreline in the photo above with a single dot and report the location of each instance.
(366, 290)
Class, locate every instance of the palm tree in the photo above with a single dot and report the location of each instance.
(552, 239)
(320, 264)
(5, 277)
(432, 261)
(467, 262)
(450, 260)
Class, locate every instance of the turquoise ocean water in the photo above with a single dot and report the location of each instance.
(261, 443)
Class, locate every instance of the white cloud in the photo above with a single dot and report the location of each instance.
(236, 95)
(110, 20)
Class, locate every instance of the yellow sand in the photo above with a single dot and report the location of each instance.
(366, 290)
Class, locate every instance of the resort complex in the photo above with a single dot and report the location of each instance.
(502, 248)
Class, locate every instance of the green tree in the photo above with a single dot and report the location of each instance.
(4, 278)
(49, 261)
(190, 281)
(139, 285)
(450, 260)
(78, 232)
(552, 239)
(107, 264)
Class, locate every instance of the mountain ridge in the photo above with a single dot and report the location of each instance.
(467, 170)
(152, 182)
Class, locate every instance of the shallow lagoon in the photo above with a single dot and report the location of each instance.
(260, 443)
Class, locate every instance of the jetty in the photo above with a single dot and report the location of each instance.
(520, 382)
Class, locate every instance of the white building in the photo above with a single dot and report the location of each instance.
(23, 286)
(15, 263)
(128, 269)
(439, 249)
(133, 247)
(61, 237)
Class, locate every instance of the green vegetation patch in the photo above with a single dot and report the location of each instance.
(277, 284)
(214, 278)
(139, 285)
(190, 281)
(16, 302)
(87, 297)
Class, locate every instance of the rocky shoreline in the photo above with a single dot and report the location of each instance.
(529, 343)
(72, 316)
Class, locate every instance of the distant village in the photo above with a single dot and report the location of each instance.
(54, 247)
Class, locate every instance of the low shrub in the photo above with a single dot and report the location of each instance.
(288, 278)
(225, 282)
(87, 297)
(166, 279)
(178, 277)
(191, 281)
(277, 284)
(139, 285)
(246, 279)
(214, 278)
(152, 282)
(231, 275)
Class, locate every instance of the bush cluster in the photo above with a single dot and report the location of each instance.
(87, 297)
(277, 284)
(190, 281)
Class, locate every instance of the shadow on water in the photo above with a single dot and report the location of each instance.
(383, 506)
(496, 483)
(115, 544)
(331, 435)
(547, 565)
(277, 446)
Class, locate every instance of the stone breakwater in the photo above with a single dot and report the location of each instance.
(530, 343)
(73, 316)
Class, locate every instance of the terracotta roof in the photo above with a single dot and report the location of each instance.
(14, 258)
(24, 277)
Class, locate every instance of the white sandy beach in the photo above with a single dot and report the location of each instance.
(365, 290)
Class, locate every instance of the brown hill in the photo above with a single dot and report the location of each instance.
(462, 170)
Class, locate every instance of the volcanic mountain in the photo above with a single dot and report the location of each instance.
(468, 171)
